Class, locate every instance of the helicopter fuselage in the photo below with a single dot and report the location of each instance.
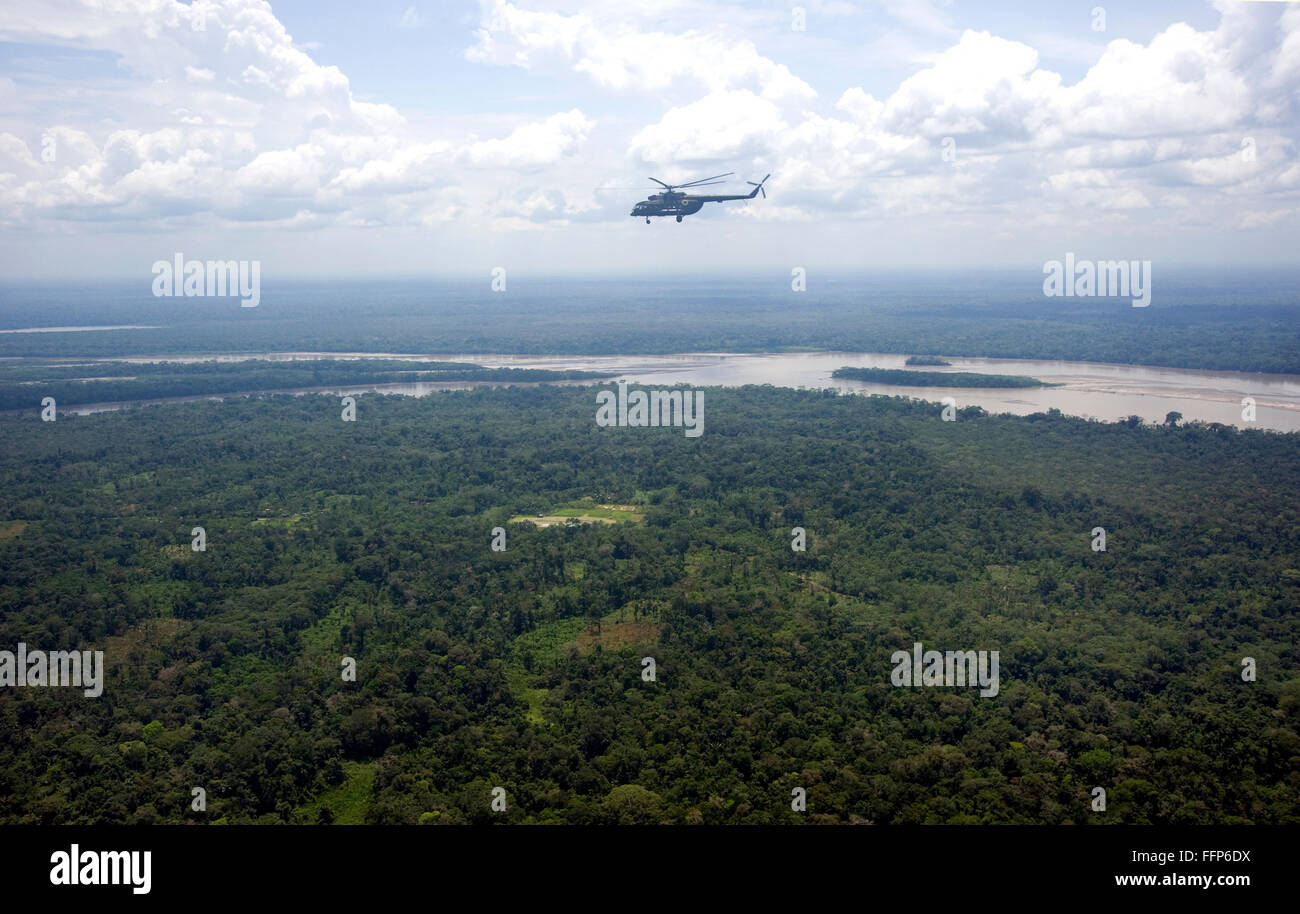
(673, 202)
(668, 205)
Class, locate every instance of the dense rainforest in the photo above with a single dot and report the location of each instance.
(523, 669)
(936, 378)
(25, 383)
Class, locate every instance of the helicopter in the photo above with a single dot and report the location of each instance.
(672, 202)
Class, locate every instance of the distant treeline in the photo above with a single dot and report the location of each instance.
(936, 378)
(1211, 331)
(926, 360)
(24, 384)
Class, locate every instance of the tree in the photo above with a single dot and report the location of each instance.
(632, 804)
(1172, 418)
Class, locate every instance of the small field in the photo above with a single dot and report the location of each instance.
(585, 512)
(614, 635)
(347, 803)
(552, 643)
(12, 528)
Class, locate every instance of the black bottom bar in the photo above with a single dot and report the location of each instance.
(656, 865)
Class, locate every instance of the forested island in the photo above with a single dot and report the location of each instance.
(523, 668)
(24, 383)
(905, 378)
(926, 360)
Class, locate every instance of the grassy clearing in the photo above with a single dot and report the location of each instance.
(565, 639)
(277, 521)
(560, 520)
(348, 801)
(532, 697)
(612, 636)
(584, 511)
(559, 640)
(545, 642)
(12, 528)
(322, 637)
(125, 655)
(539, 649)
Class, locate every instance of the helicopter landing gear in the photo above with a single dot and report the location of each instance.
(679, 218)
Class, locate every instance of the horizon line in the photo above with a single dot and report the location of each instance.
(650, 275)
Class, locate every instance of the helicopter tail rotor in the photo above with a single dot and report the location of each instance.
(758, 187)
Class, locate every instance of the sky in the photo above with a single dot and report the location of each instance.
(342, 139)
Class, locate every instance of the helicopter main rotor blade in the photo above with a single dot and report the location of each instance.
(703, 180)
(661, 183)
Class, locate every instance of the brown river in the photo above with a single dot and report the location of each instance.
(1089, 389)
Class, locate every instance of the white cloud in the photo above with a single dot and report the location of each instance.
(1263, 219)
(720, 126)
(536, 144)
(244, 126)
(1143, 118)
(618, 57)
(236, 121)
(981, 84)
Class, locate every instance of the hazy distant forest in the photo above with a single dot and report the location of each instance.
(522, 669)
(1245, 322)
(24, 383)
